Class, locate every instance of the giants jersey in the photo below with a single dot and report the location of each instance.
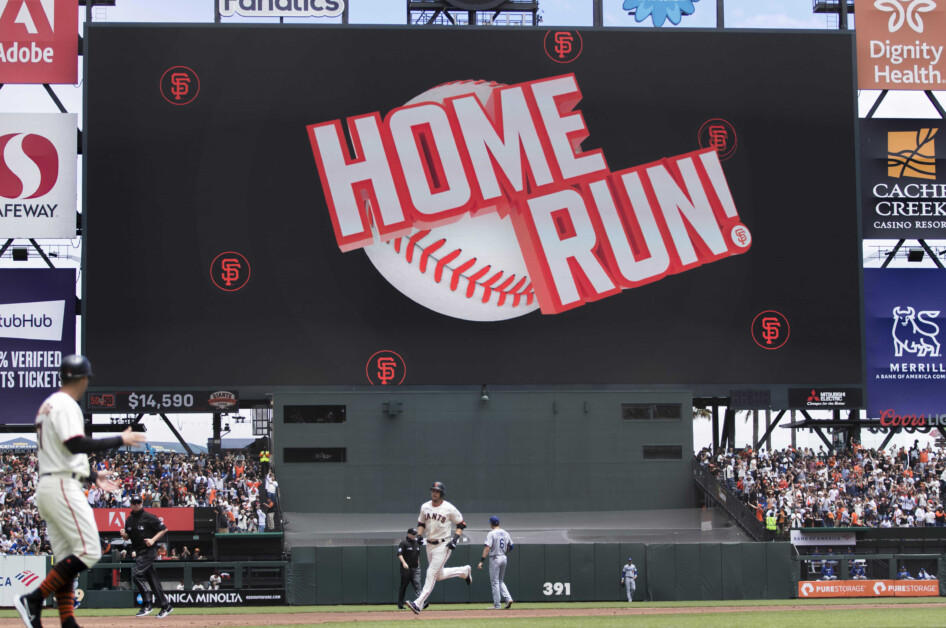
(437, 520)
(498, 542)
(59, 420)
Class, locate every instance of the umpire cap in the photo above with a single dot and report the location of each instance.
(74, 367)
(412, 530)
(438, 486)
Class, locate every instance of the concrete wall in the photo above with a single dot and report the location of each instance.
(522, 451)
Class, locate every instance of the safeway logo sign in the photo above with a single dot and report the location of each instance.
(39, 41)
(38, 168)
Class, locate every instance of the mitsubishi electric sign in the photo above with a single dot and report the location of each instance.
(37, 328)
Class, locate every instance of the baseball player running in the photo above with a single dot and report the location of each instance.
(498, 544)
(63, 470)
(436, 518)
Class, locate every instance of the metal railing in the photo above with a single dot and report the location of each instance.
(727, 500)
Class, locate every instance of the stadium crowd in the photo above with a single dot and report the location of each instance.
(900, 487)
(243, 491)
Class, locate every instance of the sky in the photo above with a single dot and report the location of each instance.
(738, 14)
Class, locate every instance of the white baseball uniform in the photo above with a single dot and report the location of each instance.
(498, 541)
(438, 522)
(59, 496)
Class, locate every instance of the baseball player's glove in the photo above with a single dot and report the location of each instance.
(452, 545)
(622, 582)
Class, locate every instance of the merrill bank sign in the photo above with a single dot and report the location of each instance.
(900, 44)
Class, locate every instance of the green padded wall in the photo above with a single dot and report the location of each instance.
(537, 573)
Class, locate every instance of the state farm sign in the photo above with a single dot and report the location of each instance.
(39, 41)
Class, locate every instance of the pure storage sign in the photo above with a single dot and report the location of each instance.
(869, 588)
(900, 44)
(39, 41)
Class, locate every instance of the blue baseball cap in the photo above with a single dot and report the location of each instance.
(629, 559)
(494, 520)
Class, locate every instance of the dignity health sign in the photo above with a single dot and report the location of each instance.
(900, 44)
(37, 327)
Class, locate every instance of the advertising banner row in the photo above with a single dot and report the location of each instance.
(868, 588)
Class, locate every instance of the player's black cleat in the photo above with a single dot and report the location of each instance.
(508, 605)
(469, 577)
(28, 610)
(164, 612)
(145, 610)
(411, 605)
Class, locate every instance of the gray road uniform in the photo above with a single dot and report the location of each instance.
(499, 543)
(629, 578)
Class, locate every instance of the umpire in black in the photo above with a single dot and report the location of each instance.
(145, 530)
(408, 553)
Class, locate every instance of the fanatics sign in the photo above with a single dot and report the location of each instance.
(900, 44)
(281, 8)
(39, 41)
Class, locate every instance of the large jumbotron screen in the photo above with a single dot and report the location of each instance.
(276, 205)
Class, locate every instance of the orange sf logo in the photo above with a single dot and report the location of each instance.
(231, 270)
(386, 371)
(180, 84)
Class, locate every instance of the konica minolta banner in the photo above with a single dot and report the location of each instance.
(903, 178)
(37, 328)
(905, 327)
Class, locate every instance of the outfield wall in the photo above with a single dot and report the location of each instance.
(543, 573)
(521, 451)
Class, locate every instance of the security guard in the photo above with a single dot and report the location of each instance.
(145, 530)
(771, 524)
(408, 553)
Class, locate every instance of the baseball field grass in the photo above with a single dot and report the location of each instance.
(895, 613)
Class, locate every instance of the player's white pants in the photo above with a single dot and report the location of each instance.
(497, 572)
(437, 556)
(69, 519)
(631, 585)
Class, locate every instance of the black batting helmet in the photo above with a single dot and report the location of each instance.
(73, 367)
(438, 486)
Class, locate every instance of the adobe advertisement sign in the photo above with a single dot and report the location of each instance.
(900, 44)
(38, 175)
(37, 328)
(903, 178)
(502, 217)
(905, 323)
(113, 519)
(39, 41)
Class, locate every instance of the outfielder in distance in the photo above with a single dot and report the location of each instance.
(436, 518)
(63, 471)
(498, 544)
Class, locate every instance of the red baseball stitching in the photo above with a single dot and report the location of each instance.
(521, 289)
